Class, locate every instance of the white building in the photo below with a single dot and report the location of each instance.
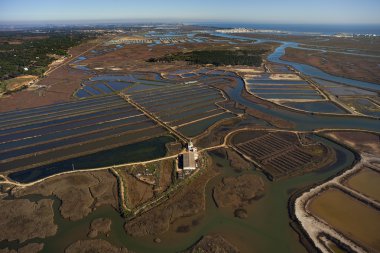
(188, 161)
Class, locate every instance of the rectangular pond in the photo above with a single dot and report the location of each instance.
(62, 139)
(199, 127)
(89, 147)
(31, 136)
(322, 107)
(140, 151)
(284, 91)
(22, 130)
(289, 96)
(196, 117)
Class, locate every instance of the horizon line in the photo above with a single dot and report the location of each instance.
(169, 21)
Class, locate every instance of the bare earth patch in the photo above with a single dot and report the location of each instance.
(285, 77)
(19, 82)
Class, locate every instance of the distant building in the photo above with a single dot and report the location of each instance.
(190, 146)
(188, 161)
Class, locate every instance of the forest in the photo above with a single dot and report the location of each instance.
(34, 50)
(216, 57)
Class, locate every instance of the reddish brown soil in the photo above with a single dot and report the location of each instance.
(58, 86)
(61, 84)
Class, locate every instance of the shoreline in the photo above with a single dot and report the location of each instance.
(313, 233)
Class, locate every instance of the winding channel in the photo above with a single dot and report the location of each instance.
(267, 228)
(304, 68)
(304, 121)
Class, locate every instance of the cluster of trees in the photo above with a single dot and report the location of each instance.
(33, 51)
(216, 57)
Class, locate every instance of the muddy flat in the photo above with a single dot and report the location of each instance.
(366, 182)
(349, 216)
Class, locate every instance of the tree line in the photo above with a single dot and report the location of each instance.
(216, 57)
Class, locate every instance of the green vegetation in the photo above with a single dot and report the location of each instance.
(216, 57)
(35, 51)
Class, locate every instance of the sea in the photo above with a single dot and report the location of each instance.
(304, 29)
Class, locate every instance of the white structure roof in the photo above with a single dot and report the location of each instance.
(188, 161)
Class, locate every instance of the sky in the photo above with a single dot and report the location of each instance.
(244, 11)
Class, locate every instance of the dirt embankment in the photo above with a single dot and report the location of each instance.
(213, 243)
(22, 219)
(94, 246)
(187, 202)
(80, 193)
(350, 66)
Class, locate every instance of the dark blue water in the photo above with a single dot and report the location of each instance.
(52, 140)
(324, 107)
(297, 28)
(79, 59)
(141, 151)
(81, 93)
